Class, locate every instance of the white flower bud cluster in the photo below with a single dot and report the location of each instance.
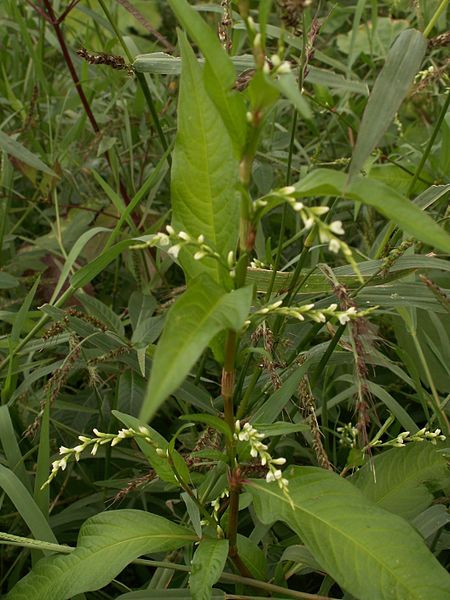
(216, 504)
(173, 241)
(328, 233)
(100, 439)
(318, 315)
(348, 435)
(258, 264)
(310, 215)
(259, 450)
(422, 435)
(279, 67)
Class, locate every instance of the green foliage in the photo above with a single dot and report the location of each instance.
(203, 311)
(221, 256)
(207, 566)
(383, 557)
(205, 172)
(106, 544)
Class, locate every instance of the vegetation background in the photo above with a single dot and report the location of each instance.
(252, 401)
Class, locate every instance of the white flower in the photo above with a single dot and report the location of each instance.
(174, 251)
(287, 190)
(334, 245)
(284, 68)
(319, 210)
(336, 227)
(308, 222)
(94, 450)
(162, 239)
(257, 41)
(299, 206)
(270, 477)
(64, 450)
(343, 319)
(170, 230)
(201, 239)
(275, 60)
(199, 255)
(278, 461)
(184, 236)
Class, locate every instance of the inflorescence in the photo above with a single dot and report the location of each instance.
(247, 433)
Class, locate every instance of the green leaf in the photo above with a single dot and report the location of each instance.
(386, 200)
(384, 557)
(73, 255)
(219, 72)
(159, 463)
(253, 557)
(287, 84)
(87, 273)
(107, 543)
(392, 84)
(207, 566)
(8, 281)
(211, 421)
(16, 149)
(26, 506)
(403, 478)
(104, 313)
(204, 172)
(198, 315)
(11, 448)
(180, 594)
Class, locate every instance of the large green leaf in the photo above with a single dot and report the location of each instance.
(201, 312)
(386, 200)
(370, 552)
(392, 84)
(402, 477)
(204, 172)
(107, 543)
(207, 566)
(219, 73)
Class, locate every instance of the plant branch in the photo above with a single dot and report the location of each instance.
(68, 60)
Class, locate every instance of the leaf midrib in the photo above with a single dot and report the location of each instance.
(341, 532)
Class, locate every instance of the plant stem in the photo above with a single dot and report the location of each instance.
(84, 101)
(231, 578)
(428, 29)
(440, 414)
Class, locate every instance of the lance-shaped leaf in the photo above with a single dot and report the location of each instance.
(16, 149)
(207, 566)
(204, 172)
(219, 73)
(403, 477)
(402, 63)
(370, 552)
(201, 312)
(386, 200)
(107, 543)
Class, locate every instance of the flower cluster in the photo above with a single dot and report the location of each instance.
(173, 241)
(100, 439)
(319, 315)
(348, 435)
(259, 450)
(276, 66)
(422, 435)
